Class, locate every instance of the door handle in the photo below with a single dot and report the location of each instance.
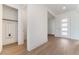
(9, 35)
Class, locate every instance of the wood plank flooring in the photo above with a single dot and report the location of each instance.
(54, 46)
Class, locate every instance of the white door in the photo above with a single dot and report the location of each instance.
(65, 27)
(9, 32)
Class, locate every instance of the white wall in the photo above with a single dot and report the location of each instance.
(25, 21)
(51, 24)
(20, 26)
(36, 26)
(75, 25)
(0, 27)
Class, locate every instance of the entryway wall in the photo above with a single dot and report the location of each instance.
(36, 26)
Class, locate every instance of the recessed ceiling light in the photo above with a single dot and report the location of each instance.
(64, 7)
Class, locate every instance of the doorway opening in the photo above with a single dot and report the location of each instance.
(51, 25)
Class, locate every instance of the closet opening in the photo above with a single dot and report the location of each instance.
(10, 26)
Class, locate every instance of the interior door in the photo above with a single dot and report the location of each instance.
(9, 32)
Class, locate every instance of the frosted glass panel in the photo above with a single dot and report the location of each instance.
(64, 20)
(64, 28)
(64, 25)
(64, 33)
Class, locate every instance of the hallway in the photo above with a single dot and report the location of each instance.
(54, 46)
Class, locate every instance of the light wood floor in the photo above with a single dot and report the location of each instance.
(54, 46)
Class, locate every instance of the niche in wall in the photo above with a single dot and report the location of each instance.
(10, 25)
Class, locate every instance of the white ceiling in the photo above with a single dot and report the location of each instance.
(57, 8)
